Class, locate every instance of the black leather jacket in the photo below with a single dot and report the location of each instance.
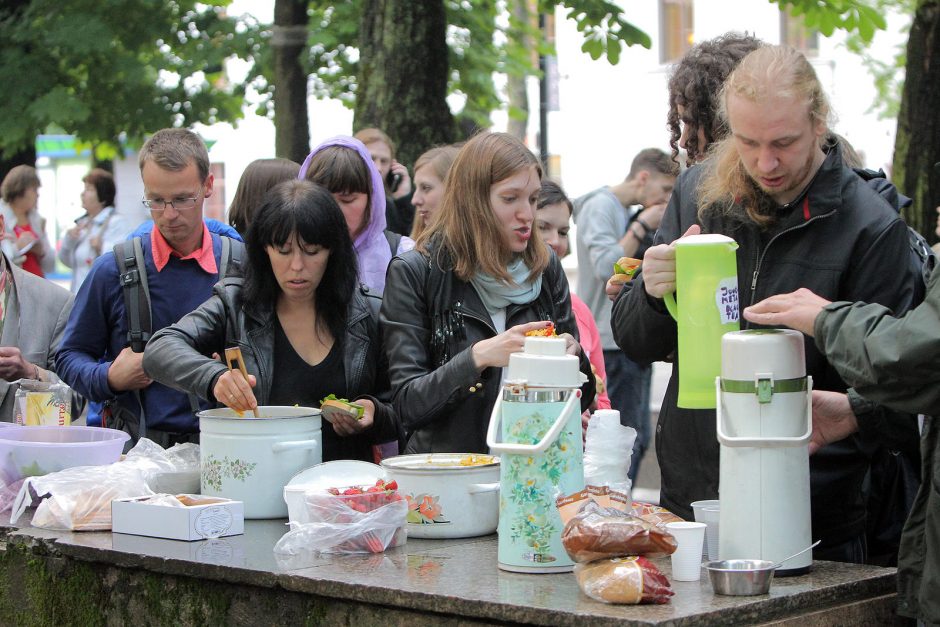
(176, 355)
(842, 241)
(430, 320)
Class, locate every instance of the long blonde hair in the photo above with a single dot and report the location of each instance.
(438, 160)
(466, 225)
(769, 71)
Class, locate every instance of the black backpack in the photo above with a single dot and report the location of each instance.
(129, 256)
(923, 256)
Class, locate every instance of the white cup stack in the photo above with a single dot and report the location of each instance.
(708, 513)
(608, 448)
(687, 559)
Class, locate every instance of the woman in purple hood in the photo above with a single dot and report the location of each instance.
(343, 165)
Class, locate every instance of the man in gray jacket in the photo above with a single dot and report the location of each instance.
(614, 222)
(33, 313)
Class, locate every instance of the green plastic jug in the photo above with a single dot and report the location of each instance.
(705, 308)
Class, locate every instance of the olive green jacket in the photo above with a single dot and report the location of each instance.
(895, 362)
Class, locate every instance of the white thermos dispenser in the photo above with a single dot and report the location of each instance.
(764, 423)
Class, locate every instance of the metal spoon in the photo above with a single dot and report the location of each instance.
(787, 559)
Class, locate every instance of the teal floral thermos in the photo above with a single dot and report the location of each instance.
(538, 422)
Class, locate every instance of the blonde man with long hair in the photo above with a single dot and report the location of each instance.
(801, 218)
(458, 305)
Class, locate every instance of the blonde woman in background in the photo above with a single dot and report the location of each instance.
(430, 172)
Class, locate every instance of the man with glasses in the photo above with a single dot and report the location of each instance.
(181, 259)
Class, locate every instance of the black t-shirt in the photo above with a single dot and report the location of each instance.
(295, 382)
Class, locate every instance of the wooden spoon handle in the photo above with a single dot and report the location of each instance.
(233, 357)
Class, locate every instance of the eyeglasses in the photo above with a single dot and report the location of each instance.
(180, 204)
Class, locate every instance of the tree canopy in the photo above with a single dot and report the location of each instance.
(111, 71)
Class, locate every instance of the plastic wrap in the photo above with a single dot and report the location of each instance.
(608, 449)
(597, 532)
(43, 403)
(79, 498)
(625, 580)
(654, 514)
(354, 523)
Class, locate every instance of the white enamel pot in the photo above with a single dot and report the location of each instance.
(446, 499)
(250, 459)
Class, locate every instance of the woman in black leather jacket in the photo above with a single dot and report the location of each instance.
(458, 305)
(305, 327)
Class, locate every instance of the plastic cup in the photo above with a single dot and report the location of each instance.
(687, 559)
(709, 516)
(698, 508)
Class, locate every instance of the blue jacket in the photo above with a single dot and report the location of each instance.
(97, 329)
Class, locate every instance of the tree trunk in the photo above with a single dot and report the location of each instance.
(516, 84)
(403, 71)
(917, 146)
(289, 40)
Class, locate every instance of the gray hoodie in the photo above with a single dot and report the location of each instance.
(602, 221)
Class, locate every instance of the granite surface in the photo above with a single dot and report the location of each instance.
(459, 578)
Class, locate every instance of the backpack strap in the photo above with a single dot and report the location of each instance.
(224, 256)
(230, 257)
(133, 275)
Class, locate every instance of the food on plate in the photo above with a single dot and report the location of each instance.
(597, 532)
(624, 269)
(548, 331)
(472, 459)
(476, 460)
(332, 407)
(626, 580)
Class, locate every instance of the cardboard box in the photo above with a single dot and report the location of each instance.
(223, 517)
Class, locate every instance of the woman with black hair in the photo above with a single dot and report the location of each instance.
(305, 327)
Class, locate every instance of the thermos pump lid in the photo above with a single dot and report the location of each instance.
(745, 354)
(544, 363)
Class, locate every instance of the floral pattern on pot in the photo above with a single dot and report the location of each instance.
(424, 509)
(532, 521)
(215, 470)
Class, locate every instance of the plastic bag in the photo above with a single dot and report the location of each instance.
(43, 403)
(654, 514)
(79, 498)
(597, 532)
(361, 523)
(626, 580)
(608, 449)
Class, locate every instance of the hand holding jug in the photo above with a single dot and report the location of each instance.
(705, 307)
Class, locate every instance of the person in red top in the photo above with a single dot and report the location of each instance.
(552, 217)
(24, 240)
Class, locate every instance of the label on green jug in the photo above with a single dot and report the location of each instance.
(726, 298)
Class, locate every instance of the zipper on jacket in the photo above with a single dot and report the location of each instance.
(763, 253)
(469, 313)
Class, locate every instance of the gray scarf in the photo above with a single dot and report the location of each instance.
(497, 294)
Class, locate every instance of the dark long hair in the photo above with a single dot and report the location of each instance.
(305, 210)
(695, 82)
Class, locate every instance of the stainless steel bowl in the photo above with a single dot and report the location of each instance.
(741, 577)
